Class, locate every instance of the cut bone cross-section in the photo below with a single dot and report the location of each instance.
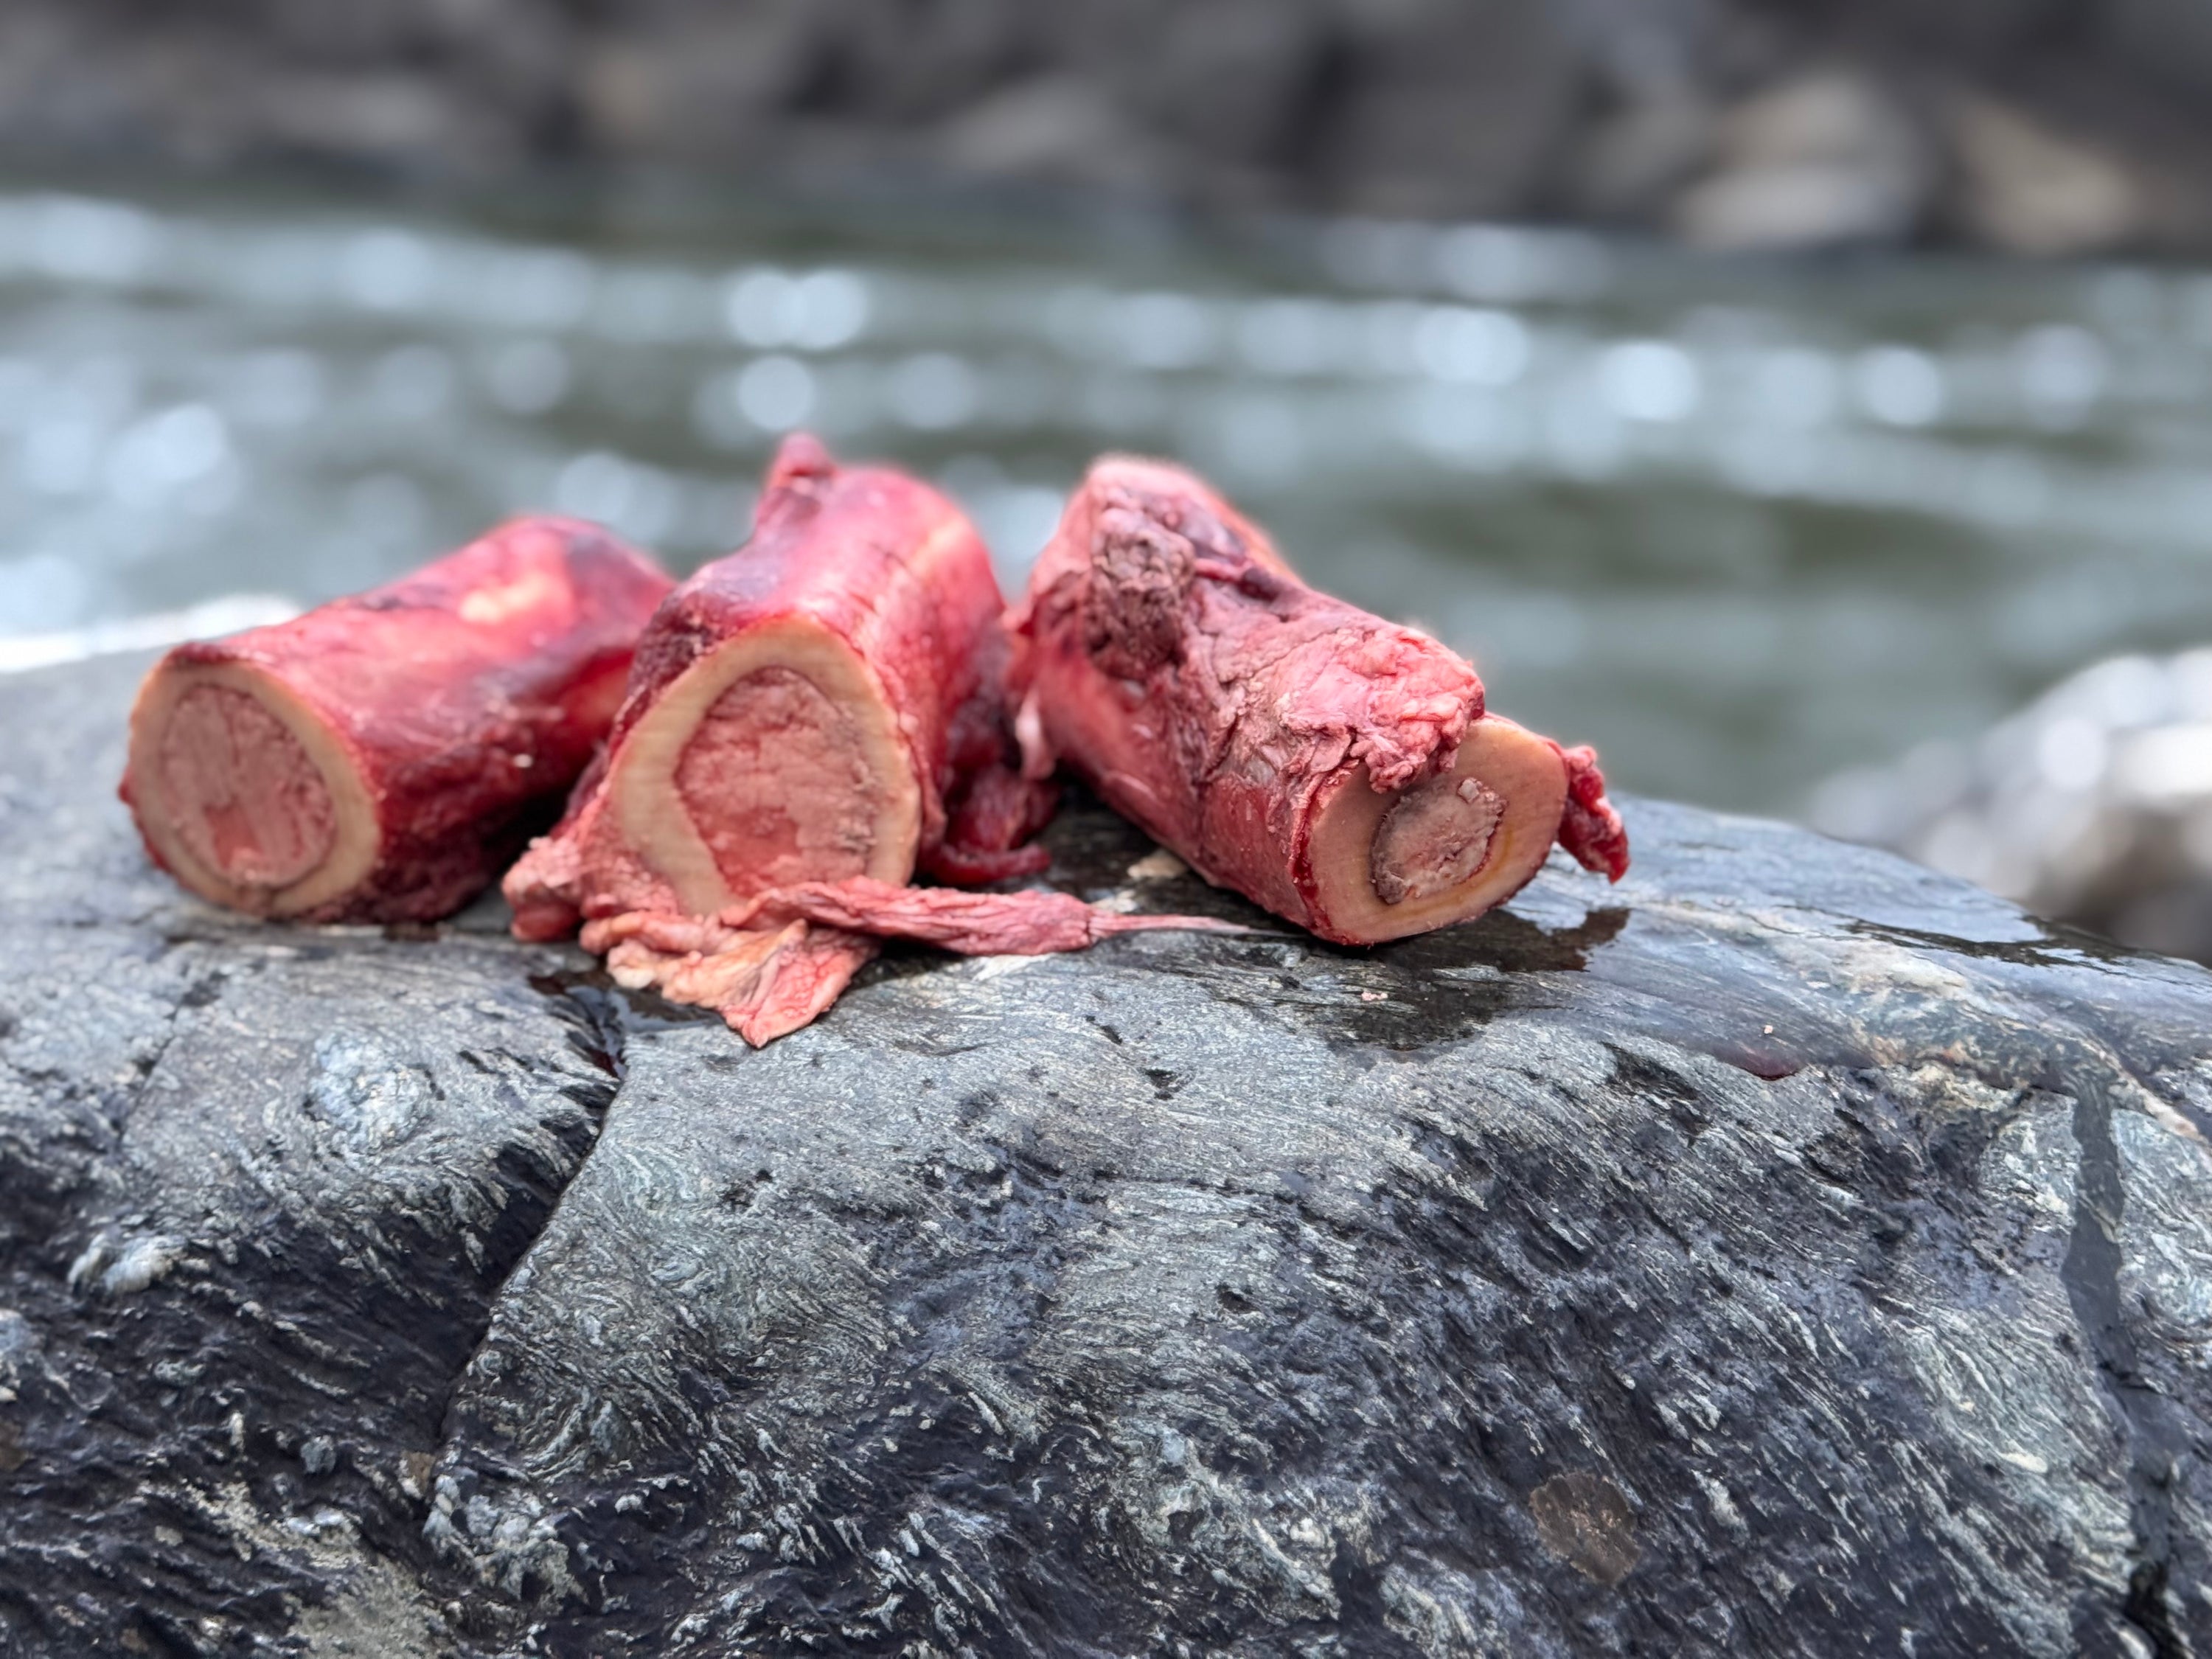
(1335, 768)
(810, 721)
(382, 757)
(816, 705)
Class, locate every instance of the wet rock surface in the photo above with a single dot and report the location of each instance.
(1787, 1251)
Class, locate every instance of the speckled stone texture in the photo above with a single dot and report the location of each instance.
(1785, 1252)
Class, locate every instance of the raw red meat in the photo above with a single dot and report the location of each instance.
(1334, 768)
(824, 706)
(382, 757)
(1025, 924)
(774, 963)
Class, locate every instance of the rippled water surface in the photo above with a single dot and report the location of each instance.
(1740, 524)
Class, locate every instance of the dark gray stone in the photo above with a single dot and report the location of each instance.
(1787, 1251)
(258, 1188)
(1584, 108)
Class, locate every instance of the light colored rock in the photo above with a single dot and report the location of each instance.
(2093, 804)
(2029, 189)
(1828, 158)
(1058, 128)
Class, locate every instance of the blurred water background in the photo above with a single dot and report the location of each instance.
(1742, 524)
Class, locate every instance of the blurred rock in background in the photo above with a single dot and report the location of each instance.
(1829, 157)
(2093, 805)
(2027, 125)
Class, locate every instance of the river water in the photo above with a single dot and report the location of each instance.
(1738, 523)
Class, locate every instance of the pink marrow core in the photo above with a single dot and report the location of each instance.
(778, 785)
(248, 801)
(1435, 836)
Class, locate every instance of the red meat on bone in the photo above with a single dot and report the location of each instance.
(810, 722)
(383, 756)
(1338, 770)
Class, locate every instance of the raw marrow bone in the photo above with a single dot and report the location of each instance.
(382, 757)
(1335, 768)
(821, 714)
(775, 756)
(820, 704)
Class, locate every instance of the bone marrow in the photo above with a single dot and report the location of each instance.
(1338, 770)
(250, 803)
(1433, 837)
(382, 757)
(777, 782)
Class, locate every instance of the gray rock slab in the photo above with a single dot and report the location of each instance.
(1786, 1251)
